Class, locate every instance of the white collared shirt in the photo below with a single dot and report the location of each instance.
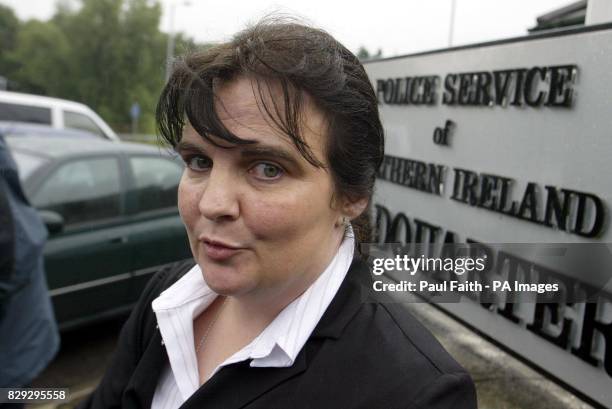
(276, 346)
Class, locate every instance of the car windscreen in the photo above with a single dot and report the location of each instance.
(27, 163)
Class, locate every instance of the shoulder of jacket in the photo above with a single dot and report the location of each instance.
(414, 332)
(409, 336)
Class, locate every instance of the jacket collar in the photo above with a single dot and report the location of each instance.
(353, 292)
(141, 388)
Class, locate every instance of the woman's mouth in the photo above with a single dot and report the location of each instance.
(217, 250)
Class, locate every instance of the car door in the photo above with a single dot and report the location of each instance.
(157, 234)
(87, 263)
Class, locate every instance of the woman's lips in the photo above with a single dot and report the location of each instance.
(219, 251)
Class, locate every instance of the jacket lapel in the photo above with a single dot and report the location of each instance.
(355, 291)
(141, 388)
(235, 386)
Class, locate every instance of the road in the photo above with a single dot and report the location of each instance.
(80, 363)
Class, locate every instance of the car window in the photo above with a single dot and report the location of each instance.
(82, 191)
(156, 181)
(27, 164)
(24, 113)
(75, 120)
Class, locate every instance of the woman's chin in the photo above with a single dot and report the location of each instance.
(224, 280)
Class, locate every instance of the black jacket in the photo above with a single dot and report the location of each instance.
(366, 353)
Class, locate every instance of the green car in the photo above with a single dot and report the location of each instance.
(110, 208)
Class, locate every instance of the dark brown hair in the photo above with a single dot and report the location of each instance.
(300, 59)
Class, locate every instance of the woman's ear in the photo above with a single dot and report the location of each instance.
(352, 209)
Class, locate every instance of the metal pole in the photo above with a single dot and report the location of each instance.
(451, 30)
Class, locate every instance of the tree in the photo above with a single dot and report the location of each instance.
(363, 54)
(39, 59)
(107, 54)
(9, 26)
(95, 34)
(143, 57)
(119, 54)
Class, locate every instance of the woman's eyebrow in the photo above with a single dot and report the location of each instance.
(187, 146)
(268, 151)
(245, 151)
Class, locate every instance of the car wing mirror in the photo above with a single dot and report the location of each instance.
(52, 220)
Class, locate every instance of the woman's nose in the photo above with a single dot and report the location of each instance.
(219, 200)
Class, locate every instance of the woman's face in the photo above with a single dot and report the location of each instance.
(259, 217)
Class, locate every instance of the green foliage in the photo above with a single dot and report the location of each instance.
(363, 54)
(9, 25)
(107, 54)
(8, 28)
(40, 58)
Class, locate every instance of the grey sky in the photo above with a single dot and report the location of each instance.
(396, 26)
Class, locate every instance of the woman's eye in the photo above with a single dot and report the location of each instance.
(267, 171)
(198, 163)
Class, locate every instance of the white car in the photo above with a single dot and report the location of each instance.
(55, 112)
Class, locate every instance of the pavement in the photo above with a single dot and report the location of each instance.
(502, 382)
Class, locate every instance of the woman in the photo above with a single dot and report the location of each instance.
(280, 135)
